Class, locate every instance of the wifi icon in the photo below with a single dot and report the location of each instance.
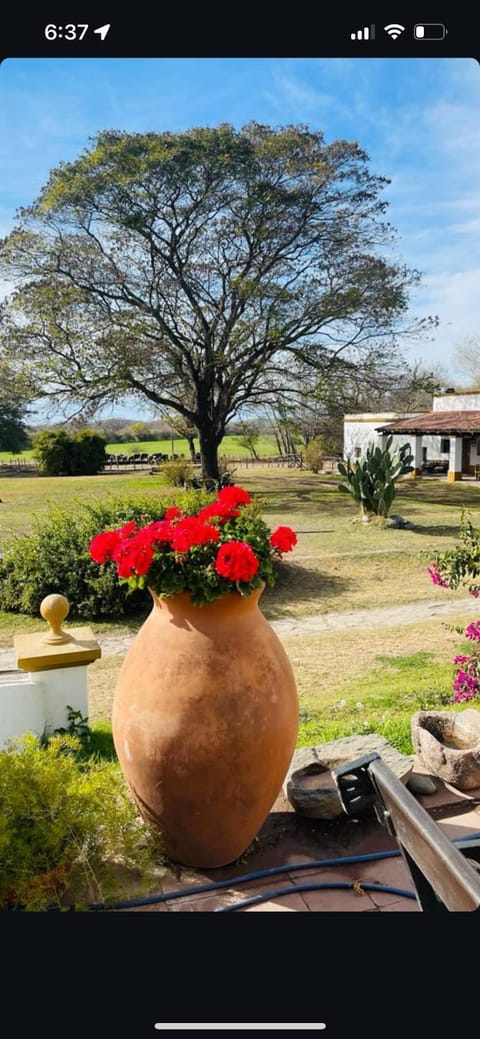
(394, 31)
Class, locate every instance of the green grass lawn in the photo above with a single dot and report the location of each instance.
(230, 447)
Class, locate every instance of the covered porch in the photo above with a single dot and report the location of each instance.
(459, 433)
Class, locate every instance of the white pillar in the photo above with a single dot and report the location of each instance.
(455, 459)
(416, 443)
(22, 706)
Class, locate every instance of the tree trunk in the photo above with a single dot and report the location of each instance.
(209, 444)
(191, 447)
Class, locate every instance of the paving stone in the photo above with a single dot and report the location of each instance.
(309, 784)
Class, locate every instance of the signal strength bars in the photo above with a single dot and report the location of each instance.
(367, 33)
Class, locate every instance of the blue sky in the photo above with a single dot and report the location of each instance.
(417, 118)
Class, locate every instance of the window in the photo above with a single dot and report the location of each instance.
(358, 452)
(445, 446)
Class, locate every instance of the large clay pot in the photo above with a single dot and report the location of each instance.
(205, 721)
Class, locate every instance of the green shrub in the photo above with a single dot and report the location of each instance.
(314, 453)
(59, 454)
(177, 472)
(54, 557)
(67, 823)
(88, 454)
(51, 449)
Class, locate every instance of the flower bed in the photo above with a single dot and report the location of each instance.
(224, 546)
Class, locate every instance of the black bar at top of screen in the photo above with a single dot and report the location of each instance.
(209, 34)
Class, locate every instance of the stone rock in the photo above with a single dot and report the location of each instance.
(420, 784)
(309, 785)
(398, 522)
(448, 744)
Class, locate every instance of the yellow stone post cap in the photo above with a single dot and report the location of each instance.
(54, 609)
(56, 648)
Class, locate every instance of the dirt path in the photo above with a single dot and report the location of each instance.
(345, 620)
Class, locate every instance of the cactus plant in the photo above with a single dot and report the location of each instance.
(371, 480)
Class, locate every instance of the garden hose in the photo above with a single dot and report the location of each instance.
(217, 885)
(343, 885)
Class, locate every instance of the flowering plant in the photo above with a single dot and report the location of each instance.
(467, 676)
(450, 569)
(224, 546)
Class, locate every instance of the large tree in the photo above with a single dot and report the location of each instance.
(189, 269)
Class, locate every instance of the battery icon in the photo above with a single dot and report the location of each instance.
(432, 31)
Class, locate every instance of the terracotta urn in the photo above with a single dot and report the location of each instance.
(205, 720)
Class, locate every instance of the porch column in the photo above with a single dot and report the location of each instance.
(383, 441)
(455, 459)
(417, 455)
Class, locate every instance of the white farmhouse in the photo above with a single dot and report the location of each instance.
(448, 437)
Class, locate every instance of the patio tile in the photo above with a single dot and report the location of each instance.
(391, 872)
(287, 904)
(338, 901)
(460, 825)
(404, 905)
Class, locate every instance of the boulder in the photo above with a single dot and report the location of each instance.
(448, 744)
(309, 785)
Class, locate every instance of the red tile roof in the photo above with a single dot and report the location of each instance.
(444, 422)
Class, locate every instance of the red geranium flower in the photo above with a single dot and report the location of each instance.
(237, 561)
(233, 496)
(283, 539)
(217, 511)
(103, 545)
(133, 557)
(190, 531)
(160, 530)
(172, 513)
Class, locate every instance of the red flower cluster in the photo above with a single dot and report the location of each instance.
(190, 531)
(103, 545)
(233, 496)
(237, 561)
(166, 543)
(283, 539)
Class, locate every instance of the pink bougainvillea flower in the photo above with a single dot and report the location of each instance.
(436, 576)
(472, 631)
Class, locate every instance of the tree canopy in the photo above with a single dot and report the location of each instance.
(191, 269)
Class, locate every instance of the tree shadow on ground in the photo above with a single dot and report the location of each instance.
(300, 583)
(316, 505)
(439, 530)
(448, 494)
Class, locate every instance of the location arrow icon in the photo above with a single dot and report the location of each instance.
(102, 31)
